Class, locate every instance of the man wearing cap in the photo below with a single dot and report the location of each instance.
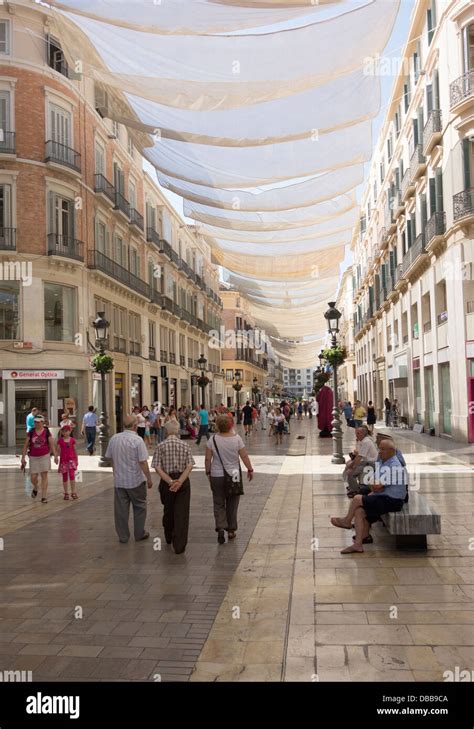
(129, 456)
(174, 462)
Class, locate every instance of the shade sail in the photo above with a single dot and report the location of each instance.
(342, 224)
(312, 112)
(255, 166)
(293, 248)
(272, 267)
(190, 17)
(284, 197)
(228, 71)
(239, 220)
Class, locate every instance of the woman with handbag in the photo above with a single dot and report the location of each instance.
(222, 464)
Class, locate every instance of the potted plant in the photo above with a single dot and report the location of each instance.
(102, 363)
(336, 356)
(203, 381)
(237, 386)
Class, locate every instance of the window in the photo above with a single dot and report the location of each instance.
(9, 310)
(56, 59)
(389, 149)
(406, 95)
(5, 37)
(61, 216)
(101, 237)
(119, 322)
(120, 252)
(151, 334)
(397, 124)
(431, 20)
(134, 333)
(99, 159)
(132, 194)
(129, 144)
(60, 121)
(116, 129)
(5, 123)
(119, 179)
(59, 313)
(5, 208)
(134, 262)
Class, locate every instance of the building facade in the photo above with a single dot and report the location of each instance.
(244, 350)
(346, 373)
(414, 284)
(298, 383)
(83, 230)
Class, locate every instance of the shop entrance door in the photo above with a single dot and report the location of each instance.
(28, 395)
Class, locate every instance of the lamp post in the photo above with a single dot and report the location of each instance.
(101, 326)
(332, 317)
(237, 387)
(255, 389)
(202, 362)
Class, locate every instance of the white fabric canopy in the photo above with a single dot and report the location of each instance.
(244, 167)
(299, 194)
(228, 71)
(243, 95)
(284, 220)
(190, 17)
(313, 112)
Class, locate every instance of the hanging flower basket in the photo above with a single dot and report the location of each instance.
(203, 381)
(336, 356)
(320, 380)
(102, 363)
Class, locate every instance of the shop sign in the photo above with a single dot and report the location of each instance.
(33, 374)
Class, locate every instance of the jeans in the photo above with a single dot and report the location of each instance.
(203, 431)
(90, 435)
(358, 423)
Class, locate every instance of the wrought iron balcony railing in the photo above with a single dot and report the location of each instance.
(63, 155)
(65, 246)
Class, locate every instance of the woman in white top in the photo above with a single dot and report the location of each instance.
(224, 451)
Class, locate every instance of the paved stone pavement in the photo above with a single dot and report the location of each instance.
(278, 604)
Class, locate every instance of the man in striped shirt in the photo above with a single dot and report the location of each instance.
(174, 462)
(129, 456)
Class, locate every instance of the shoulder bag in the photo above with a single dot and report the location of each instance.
(233, 486)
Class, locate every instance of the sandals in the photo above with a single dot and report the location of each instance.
(66, 496)
(44, 500)
(34, 493)
(74, 496)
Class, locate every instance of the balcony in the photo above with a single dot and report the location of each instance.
(461, 92)
(435, 228)
(185, 268)
(177, 310)
(432, 132)
(104, 187)
(122, 204)
(152, 353)
(414, 256)
(172, 358)
(168, 304)
(165, 248)
(417, 162)
(8, 143)
(136, 219)
(163, 355)
(190, 362)
(389, 220)
(153, 237)
(62, 155)
(7, 239)
(398, 204)
(65, 246)
(101, 262)
(156, 297)
(175, 258)
(463, 204)
(182, 360)
(408, 185)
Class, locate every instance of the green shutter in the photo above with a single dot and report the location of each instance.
(439, 191)
(466, 163)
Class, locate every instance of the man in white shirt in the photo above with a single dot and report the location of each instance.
(129, 456)
(263, 414)
(363, 461)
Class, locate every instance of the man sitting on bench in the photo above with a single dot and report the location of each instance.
(361, 463)
(388, 494)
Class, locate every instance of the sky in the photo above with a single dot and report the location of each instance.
(394, 48)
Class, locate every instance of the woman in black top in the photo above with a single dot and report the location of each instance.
(388, 407)
(371, 416)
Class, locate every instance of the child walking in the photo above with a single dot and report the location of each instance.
(68, 461)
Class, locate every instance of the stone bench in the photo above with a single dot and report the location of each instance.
(411, 525)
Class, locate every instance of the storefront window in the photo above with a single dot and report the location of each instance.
(417, 387)
(59, 313)
(136, 391)
(68, 398)
(429, 396)
(445, 383)
(9, 310)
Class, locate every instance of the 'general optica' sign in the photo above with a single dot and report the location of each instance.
(33, 374)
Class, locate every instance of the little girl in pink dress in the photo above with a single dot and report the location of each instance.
(68, 461)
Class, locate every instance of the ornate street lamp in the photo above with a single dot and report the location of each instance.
(203, 380)
(332, 317)
(237, 387)
(255, 388)
(102, 363)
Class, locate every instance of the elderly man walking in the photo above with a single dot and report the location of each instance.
(173, 462)
(129, 456)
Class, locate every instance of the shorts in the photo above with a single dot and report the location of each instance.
(378, 504)
(40, 464)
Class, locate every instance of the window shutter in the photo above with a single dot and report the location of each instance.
(466, 163)
(107, 244)
(429, 99)
(424, 212)
(439, 191)
(51, 217)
